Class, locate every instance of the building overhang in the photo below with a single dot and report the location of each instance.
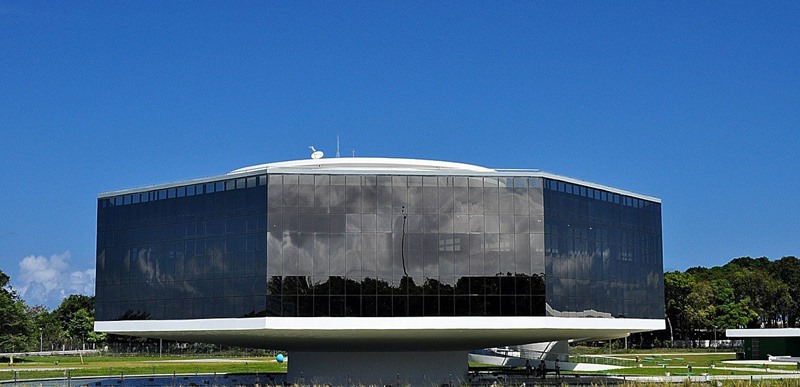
(381, 333)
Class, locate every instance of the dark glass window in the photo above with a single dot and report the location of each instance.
(184, 255)
(364, 245)
(598, 258)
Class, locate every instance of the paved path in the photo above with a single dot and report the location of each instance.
(707, 378)
(743, 369)
(50, 353)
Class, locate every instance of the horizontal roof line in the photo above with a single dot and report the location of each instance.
(763, 332)
(372, 166)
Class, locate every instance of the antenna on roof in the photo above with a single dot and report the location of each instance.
(337, 146)
(315, 154)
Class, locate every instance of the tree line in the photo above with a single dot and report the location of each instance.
(31, 328)
(744, 293)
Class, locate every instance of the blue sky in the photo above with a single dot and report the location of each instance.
(695, 102)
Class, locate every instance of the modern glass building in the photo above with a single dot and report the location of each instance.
(368, 254)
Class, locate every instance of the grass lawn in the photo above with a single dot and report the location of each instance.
(675, 363)
(701, 360)
(34, 367)
(583, 350)
(56, 366)
(678, 359)
(723, 383)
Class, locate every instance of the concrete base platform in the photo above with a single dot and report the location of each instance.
(377, 368)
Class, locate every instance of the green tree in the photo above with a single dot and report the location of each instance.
(730, 312)
(787, 269)
(769, 296)
(80, 326)
(677, 287)
(76, 317)
(700, 309)
(779, 303)
(48, 329)
(16, 327)
(97, 337)
(745, 292)
(761, 263)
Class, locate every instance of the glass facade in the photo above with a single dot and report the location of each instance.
(602, 253)
(377, 245)
(355, 245)
(188, 252)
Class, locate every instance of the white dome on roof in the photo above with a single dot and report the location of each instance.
(366, 164)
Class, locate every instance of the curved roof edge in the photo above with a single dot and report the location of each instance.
(396, 333)
(385, 165)
(366, 164)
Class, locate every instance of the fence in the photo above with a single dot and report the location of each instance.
(603, 360)
(174, 380)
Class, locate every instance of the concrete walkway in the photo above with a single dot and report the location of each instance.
(71, 352)
(708, 378)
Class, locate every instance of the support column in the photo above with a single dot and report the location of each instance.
(377, 368)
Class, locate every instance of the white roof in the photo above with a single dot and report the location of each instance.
(382, 165)
(366, 164)
(774, 332)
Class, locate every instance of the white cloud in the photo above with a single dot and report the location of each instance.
(47, 281)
